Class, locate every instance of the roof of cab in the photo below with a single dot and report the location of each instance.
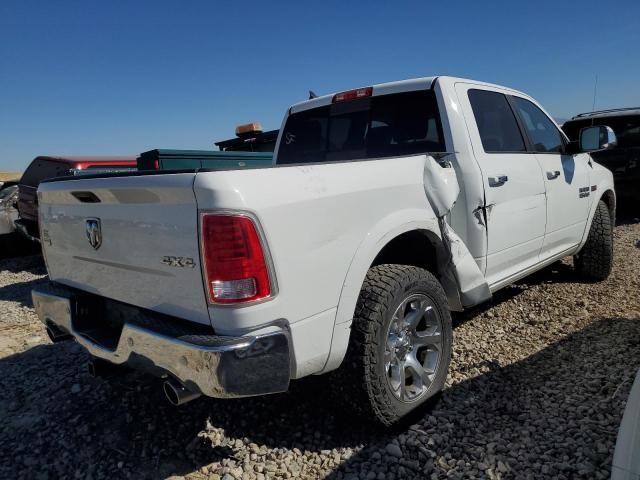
(410, 85)
(422, 83)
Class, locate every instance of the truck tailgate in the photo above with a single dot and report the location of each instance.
(132, 239)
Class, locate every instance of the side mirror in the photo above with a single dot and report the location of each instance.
(599, 137)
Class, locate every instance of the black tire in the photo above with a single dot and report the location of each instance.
(595, 260)
(362, 380)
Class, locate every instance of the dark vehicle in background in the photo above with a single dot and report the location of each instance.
(250, 138)
(251, 148)
(624, 159)
(44, 167)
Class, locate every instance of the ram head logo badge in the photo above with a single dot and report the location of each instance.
(94, 232)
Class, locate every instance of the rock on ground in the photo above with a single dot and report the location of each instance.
(537, 388)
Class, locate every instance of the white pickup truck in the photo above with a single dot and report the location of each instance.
(386, 208)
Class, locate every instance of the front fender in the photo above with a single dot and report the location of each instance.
(603, 186)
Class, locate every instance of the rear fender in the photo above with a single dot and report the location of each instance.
(379, 236)
(458, 272)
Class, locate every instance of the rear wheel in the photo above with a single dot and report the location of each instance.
(595, 260)
(400, 346)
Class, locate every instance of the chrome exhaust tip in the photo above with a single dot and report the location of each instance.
(177, 393)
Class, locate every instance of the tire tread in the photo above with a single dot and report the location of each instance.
(358, 375)
(595, 260)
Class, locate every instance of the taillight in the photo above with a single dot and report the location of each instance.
(234, 260)
(353, 94)
(156, 164)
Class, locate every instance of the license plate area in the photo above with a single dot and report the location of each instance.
(97, 324)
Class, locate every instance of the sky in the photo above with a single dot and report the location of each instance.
(122, 77)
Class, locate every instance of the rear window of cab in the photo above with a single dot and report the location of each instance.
(372, 127)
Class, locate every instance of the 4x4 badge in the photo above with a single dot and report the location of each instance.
(584, 192)
(94, 232)
(182, 262)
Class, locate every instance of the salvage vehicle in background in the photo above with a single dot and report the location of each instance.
(8, 210)
(4, 184)
(44, 167)
(624, 158)
(251, 148)
(196, 159)
(387, 207)
(250, 138)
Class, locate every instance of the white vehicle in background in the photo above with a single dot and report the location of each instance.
(386, 208)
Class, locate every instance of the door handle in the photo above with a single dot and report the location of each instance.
(553, 175)
(498, 180)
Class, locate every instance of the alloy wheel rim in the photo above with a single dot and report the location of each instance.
(413, 348)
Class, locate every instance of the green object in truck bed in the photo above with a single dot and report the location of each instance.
(191, 159)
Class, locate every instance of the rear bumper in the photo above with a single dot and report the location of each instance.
(216, 366)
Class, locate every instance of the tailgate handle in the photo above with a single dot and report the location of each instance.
(86, 197)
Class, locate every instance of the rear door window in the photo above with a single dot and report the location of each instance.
(373, 127)
(496, 122)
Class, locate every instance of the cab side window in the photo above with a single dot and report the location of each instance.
(543, 133)
(496, 122)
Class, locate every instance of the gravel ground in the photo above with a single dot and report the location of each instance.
(537, 389)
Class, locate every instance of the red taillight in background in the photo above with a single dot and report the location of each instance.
(234, 261)
(353, 94)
